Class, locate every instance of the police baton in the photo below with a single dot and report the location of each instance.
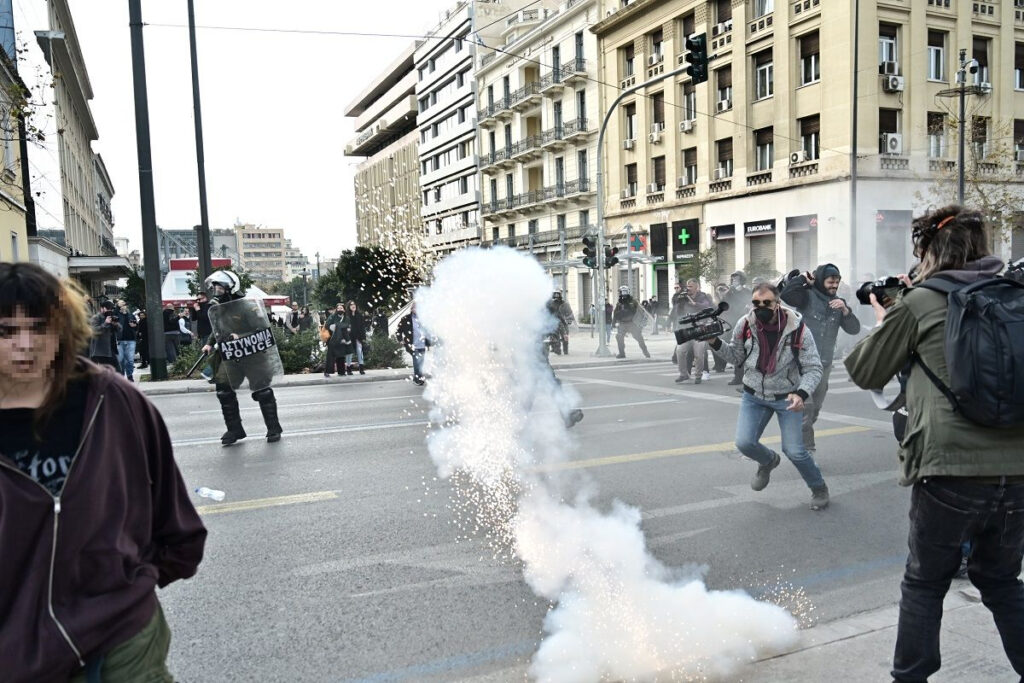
(197, 364)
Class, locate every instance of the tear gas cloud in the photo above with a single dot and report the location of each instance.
(618, 613)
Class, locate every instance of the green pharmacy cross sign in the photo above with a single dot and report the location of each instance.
(684, 236)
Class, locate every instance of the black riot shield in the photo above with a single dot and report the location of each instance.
(245, 344)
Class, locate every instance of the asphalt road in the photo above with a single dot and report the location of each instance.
(334, 555)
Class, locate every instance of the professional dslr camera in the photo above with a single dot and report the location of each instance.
(701, 326)
(885, 290)
(1015, 271)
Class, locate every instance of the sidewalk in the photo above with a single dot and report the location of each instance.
(581, 355)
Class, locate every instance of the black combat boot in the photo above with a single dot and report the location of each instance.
(268, 406)
(232, 417)
(565, 347)
(348, 368)
(362, 369)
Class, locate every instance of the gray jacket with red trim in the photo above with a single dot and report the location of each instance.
(78, 570)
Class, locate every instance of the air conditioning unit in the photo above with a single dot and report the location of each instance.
(721, 173)
(628, 144)
(723, 105)
(892, 83)
(627, 193)
(1020, 152)
(686, 126)
(654, 59)
(654, 138)
(892, 143)
(889, 68)
(653, 187)
(798, 157)
(985, 87)
(728, 24)
(681, 181)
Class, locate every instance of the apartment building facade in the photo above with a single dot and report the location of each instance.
(266, 254)
(14, 243)
(387, 187)
(538, 114)
(757, 162)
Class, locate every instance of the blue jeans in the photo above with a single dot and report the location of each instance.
(126, 356)
(945, 512)
(755, 414)
(417, 363)
(359, 352)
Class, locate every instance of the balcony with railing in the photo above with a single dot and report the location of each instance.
(575, 69)
(527, 148)
(526, 96)
(489, 112)
(759, 177)
(553, 137)
(553, 79)
(576, 128)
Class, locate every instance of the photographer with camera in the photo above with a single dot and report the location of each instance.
(781, 370)
(962, 447)
(824, 313)
(687, 303)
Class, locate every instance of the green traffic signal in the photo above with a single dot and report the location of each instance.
(589, 252)
(697, 57)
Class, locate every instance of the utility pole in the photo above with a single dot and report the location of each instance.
(629, 256)
(853, 140)
(601, 279)
(305, 272)
(151, 255)
(962, 77)
(203, 229)
(317, 278)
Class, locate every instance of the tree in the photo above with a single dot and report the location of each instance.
(293, 289)
(194, 285)
(991, 181)
(376, 278)
(135, 291)
(327, 291)
(703, 266)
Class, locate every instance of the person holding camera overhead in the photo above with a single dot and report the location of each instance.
(685, 303)
(963, 447)
(781, 370)
(816, 297)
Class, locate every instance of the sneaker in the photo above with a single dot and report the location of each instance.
(764, 474)
(621, 355)
(735, 382)
(819, 497)
(705, 375)
(680, 379)
(698, 380)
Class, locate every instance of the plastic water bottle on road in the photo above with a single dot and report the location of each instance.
(213, 494)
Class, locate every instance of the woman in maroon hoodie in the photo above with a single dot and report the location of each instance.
(94, 515)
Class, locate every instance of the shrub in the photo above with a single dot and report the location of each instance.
(299, 352)
(383, 352)
(187, 356)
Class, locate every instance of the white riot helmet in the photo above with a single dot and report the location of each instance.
(226, 280)
(623, 291)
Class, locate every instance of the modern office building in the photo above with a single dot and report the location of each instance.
(266, 254)
(757, 162)
(387, 188)
(538, 114)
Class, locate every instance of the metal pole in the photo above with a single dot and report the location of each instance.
(203, 237)
(565, 268)
(963, 129)
(853, 141)
(629, 256)
(151, 255)
(304, 303)
(317, 266)
(602, 347)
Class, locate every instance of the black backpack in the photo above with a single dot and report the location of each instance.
(984, 349)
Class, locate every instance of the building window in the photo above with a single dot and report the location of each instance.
(888, 125)
(763, 7)
(1018, 138)
(630, 112)
(658, 112)
(511, 230)
(764, 149)
(14, 247)
(628, 57)
(810, 59)
(936, 135)
(888, 47)
(1018, 66)
(936, 56)
(723, 11)
(584, 219)
(464, 184)
(723, 79)
(531, 226)
(810, 132)
(724, 154)
(658, 172)
(657, 39)
(631, 179)
(764, 75)
(980, 54)
(690, 166)
(581, 165)
(689, 101)
(687, 27)
(979, 137)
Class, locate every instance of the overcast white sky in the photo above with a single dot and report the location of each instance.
(273, 107)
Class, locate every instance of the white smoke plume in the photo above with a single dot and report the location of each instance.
(619, 614)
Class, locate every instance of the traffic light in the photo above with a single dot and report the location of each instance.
(697, 57)
(590, 252)
(610, 258)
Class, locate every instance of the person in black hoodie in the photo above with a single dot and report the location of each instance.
(825, 313)
(95, 516)
(358, 334)
(127, 338)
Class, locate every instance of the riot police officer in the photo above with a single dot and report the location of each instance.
(558, 341)
(625, 317)
(246, 351)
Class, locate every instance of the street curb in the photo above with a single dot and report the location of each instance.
(203, 387)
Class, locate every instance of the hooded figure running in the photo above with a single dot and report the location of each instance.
(246, 351)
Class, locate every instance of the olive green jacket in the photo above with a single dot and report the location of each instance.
(937, 442)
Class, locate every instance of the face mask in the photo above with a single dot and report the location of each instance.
(764, 315)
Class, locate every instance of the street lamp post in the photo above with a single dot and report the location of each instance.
(317, 278)
(961, 91)
(305, 271)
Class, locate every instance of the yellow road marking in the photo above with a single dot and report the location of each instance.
(260, 503)
(673, 452)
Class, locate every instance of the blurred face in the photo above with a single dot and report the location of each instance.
(352, 306)
(831, 284)
(340, 308)
(679, 288)
(692, 288)
(295, 307)
(763, 300)
(202, 298)
(28, 347)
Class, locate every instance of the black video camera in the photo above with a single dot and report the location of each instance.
(1015, 271)
(885, 290)
(702, 326)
